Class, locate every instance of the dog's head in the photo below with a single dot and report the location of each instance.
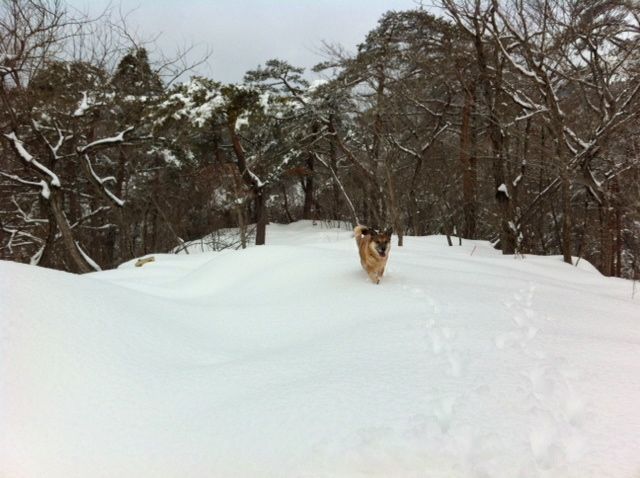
(379, 242)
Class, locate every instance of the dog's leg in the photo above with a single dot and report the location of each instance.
(374, 277)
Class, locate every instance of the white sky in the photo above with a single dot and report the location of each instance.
(245, 33)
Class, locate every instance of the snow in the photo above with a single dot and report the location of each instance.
(87, 258)
(242, 120)
(255, 179)
(201, 114)
(168, 157)
(117, 139)
(516, 181)
(317, 83)
(503, 189)
(101, 181)
(82, 107)
(27, 158)
(45, 192)
(197, 111)
(263, 101)
(285, 361)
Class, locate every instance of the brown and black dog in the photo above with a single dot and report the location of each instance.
(374, 249)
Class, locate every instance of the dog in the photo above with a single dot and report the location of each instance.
(374, 250)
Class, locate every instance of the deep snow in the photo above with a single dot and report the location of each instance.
(284, 360)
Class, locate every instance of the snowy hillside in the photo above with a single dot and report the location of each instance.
(285, 361)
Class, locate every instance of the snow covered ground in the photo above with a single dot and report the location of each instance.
(285, 361)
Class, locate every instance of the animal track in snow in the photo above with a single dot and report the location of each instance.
(543, 437)
(557, 410)
(455, 365)
(443, 411)
(574, 408)
(419, 293)
(443, 343)
(507, 339)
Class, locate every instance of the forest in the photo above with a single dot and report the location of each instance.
(509, 121)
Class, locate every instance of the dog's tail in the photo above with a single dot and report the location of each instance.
(360, 230)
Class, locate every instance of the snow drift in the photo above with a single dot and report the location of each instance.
(284, 360)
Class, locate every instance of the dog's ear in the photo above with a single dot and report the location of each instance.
(388, 231)
(365, 230)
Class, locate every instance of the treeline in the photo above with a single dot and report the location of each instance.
(512, 121)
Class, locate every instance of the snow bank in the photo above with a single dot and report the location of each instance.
(283, 360)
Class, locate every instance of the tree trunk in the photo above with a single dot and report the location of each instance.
(468, 164)
(286, 205)
(261, 218)
(78, 261)
(46, 259)
(386, 201)
(242, 226)
(508, 235)
(308, 189)
(618, 244)
(413, 198)
(125, 247)
(490, 89)
(154, 231)
(333, 155)
(393, 203)
(250, 180)
(566, 218)
(413, 213)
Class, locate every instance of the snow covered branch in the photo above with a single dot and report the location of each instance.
(105, 142)
(45, 192)
(53, 149)
(344, 192)
(99, 182)
(94, 265)
(23, 154)
(26, 218)
(89, 215)
(352, 158)
(82, 107)
(278, 170)
(24, 236)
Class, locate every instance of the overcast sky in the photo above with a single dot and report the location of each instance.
(244, 33)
